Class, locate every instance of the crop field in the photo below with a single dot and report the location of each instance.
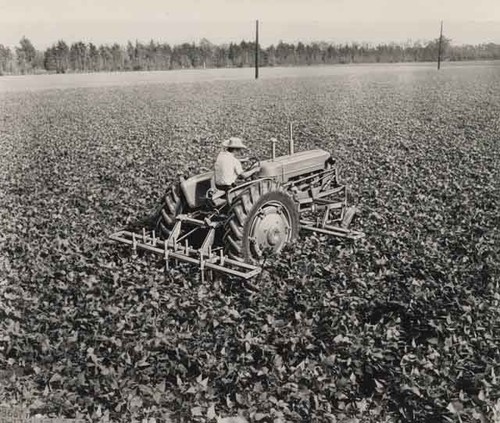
(403, 325)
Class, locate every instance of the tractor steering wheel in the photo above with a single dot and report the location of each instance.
(254, 161)
(251, 170)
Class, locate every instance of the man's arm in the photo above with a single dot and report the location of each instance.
(249, 172)
(237, 167)
(244, 175)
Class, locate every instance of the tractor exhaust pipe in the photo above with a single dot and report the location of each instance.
(274, 141)
(291, 139)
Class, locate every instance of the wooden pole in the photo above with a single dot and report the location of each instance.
(257, 49)
(439, 46)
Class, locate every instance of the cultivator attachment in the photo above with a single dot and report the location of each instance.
(178, 248)
(324, 224)
(316, 194)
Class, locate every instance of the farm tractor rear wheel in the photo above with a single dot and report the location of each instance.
(262, 220)
(172, 206)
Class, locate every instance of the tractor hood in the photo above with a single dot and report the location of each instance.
(297, 164)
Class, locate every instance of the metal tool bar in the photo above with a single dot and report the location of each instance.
(321, 196)
(313, 208)
(187, 254)
(240, 264)
(189, 220)
(244, 275)
(121, 237)
(336, 231)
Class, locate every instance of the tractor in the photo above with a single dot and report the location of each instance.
(233, 231)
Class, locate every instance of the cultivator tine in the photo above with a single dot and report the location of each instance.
(326, 216)
(202, 267)
(134, 245)
(206, 247)
(176, 230)
(167, 266)
(347, 217)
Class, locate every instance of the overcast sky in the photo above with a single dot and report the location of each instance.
(221, 21)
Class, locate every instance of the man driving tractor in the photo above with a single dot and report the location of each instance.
(228, 167)
(213, 220)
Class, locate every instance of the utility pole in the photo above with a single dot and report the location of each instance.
(440, 44)
(257, 49)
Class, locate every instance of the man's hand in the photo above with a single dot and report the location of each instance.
(252, 160)
(250, 172)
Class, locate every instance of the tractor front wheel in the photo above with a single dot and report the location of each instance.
(262, 219)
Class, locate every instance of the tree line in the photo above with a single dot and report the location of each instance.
(87, 57)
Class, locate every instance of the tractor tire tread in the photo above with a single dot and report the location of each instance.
(173, 205)
(236, 245)
(237, 230)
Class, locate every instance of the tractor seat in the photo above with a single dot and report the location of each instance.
(216, 197)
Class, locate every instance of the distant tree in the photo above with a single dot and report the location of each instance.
(150, 50)
(493, 51)
(247, 53)
(105, 58)
(26, 55)
(165, 55)
(118, 58)
(78, 56)
(57, 58)
(158, 56)
(93, 58)
(6, 60)
(301, 54)
(271, 56)
(207, 53)
(430, 50)
(222, 56)
(314, 54)
(129, 56)
(62, 56)
(195, 56)
(140, 56)
(234, 54)
(182, 56)
(155, 56)
(50, 59)
(331, 54)
(285, 53)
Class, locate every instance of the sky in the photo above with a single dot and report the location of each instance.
(223, 21)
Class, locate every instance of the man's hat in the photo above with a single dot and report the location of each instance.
(233, 142)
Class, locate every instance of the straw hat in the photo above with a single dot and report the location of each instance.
(233, 142)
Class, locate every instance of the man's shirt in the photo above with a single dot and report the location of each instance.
(227, 168)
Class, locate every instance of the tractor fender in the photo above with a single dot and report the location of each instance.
(235, 192)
